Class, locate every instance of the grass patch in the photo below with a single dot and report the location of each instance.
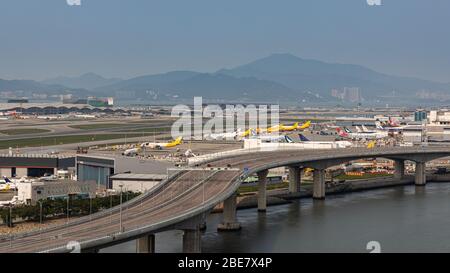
(247, 189)
(59, 140)
(27, 131)
(147, 130)
(96, 126)
(364, 176)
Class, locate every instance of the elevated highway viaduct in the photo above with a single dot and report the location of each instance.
(185, 199)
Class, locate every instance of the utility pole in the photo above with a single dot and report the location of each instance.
(40, 212)
(90, 208)
(121, 228)
(68, 201)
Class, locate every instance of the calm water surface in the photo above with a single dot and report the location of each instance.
(401, 219)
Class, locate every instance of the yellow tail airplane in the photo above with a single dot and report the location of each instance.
(160, 145)
(246, 133)
(371, 144)
(304, 125)
(174, 143)
(289, 128)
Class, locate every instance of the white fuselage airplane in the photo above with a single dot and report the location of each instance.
(222, 136)
(6, 184)
(361, 135)
(341, 144)
(229, 135)
(273, 138)
(131, 152)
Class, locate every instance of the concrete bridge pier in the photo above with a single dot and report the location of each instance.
(146, 244)
(229, 215)
(262, 192)
(319, 184)
(420, 178)
(294, 179)
(192, 241)
(399, 171)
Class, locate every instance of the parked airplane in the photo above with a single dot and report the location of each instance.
(284, 128)
(274, 138)
(339, 143)
(396, 129)
(162, 145)
(391, 123)
(231, 135)
(305, 125)
(289, 128)
(132, 151)
(360, 135)
(364, 128)
(6, 184)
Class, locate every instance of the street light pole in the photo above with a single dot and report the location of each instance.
(121, 186)
(68, 200)
(110, 207)
(40, 212)
(90, 208)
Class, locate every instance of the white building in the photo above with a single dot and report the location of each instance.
(439, 117)
(31, 192)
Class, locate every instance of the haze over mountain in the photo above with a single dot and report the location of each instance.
(321, 77)
(186, 84)
(34, 86)
(276, 77)
(85, 81)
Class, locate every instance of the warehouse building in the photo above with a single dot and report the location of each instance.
(33, 165)
(102, 169)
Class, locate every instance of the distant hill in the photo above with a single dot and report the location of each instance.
(85, 81)
(36, 87)
(278, 77)
(302, 74)
(186, 84)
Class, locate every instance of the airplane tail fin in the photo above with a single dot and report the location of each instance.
(176, 142)
(179, 140)
(7, 179)
(341, 133)
(378, 125)
(303, 138)
(371, 145)
(288, 139)
(364, 128)
(358, 129)
(347, 130)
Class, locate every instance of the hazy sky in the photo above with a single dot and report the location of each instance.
(124, 38)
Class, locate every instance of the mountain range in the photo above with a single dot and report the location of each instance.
(278, 76)
(85, 81)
